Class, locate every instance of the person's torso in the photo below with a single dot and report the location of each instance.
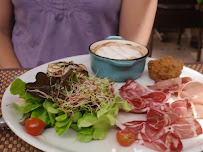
(47, 30)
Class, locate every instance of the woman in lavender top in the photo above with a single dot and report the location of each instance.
(46, 30)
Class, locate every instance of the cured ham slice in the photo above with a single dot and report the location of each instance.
(170, 121)
(144, 103)
(194, 91)
(163, 129)
(186, 128)
(160, 118)
(135, 126)
(138, 105)
(167, 143)
(132, 89)
(186, 80)
(198, 111)
(144, 131)
(154, 97)
(142, 99)
(180, 107)
(120, 125)
(173, 84)
(166, 122)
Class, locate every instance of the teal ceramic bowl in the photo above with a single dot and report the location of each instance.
(116, 69)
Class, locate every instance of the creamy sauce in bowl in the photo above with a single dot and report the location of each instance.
(119, 50)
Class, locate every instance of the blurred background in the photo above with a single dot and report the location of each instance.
(178, 30)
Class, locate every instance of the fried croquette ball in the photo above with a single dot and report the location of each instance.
(165, 68)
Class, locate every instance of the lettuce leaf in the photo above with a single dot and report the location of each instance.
(77, 115)
(26, 107)
(63, 127)
(84, 138)
(125, 106)
(89, 124)
(101, 127)
(42, 114)
(85, 134)
(18, 87)
(87, 120)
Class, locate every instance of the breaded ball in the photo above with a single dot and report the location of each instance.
(164, 68)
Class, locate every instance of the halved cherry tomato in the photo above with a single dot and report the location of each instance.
(125, 137)
(34, 126)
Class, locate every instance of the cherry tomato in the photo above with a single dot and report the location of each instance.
(125, 137)
(34, 126)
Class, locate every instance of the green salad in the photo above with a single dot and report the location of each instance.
(89, 105)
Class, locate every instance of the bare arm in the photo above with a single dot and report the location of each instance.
(136, 20)
(7, 56)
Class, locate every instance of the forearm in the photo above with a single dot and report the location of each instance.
(136, 20)
(8, 58)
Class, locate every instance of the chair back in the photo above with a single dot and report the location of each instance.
(177, 4)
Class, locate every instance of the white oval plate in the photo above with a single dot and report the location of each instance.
(49, 141)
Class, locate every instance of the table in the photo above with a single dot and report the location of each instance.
(9, 141)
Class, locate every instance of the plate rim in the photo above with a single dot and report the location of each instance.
(36, 143)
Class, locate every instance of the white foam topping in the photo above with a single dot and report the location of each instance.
(118, 51)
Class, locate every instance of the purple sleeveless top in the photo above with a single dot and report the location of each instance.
(46, 30)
